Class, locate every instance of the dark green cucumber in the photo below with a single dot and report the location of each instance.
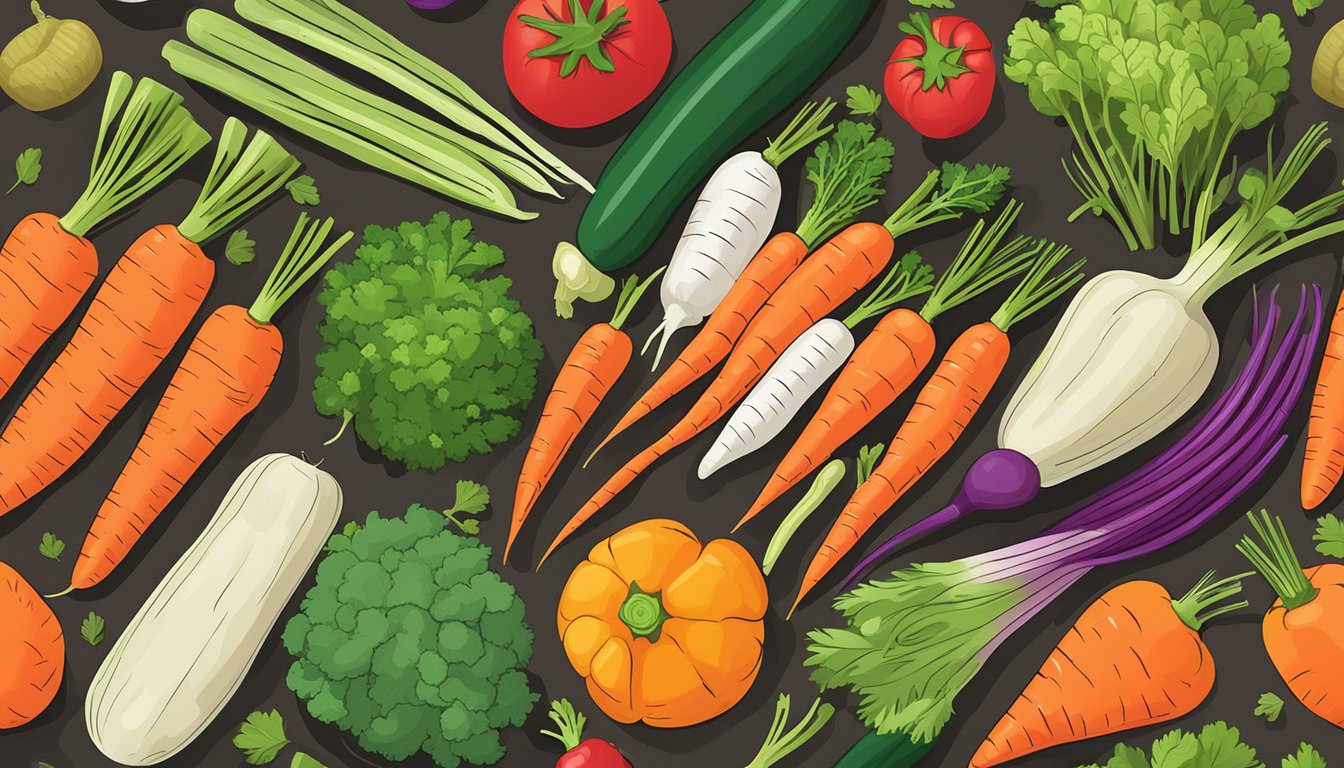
(756, 67)
(887, 750)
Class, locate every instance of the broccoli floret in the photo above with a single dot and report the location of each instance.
(410, 643)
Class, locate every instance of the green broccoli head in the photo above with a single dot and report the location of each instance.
(410, 643)
(434, 363)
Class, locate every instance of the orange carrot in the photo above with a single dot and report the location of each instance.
(136, 317)
(1301, 629)
(32, 651)
(224, 374)
(46, 263)
(948, 401)
(895, 353)
(594, 364)
(833, 274)
(1323, 462)
(768, 270)
(1134, 658)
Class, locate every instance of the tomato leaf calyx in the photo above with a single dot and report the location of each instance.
(939, 62)
(582, 37)
(643, 613)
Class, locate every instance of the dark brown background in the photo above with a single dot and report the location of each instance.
(467, 39)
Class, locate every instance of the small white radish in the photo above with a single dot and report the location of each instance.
(798, 373)
(731, 220)
(805, 365)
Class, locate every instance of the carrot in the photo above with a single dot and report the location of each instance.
(594, 364)
(1301, 629)
(226, 371)
(32, 651)
(136, 317)
(1134, 658)
(772, 265)
(944, 407)
(1323, 462)
(900, 347)
(47, 264)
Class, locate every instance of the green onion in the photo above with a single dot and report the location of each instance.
(239, 181)
(826, 481)
(330, 26)
(153, 136)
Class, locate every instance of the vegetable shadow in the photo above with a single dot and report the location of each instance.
(161, 14)
(458, 11)
(958, 148)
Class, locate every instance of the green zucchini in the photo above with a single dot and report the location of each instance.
(884, 750)
(750, 72)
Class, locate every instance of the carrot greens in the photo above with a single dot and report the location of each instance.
(239, 180)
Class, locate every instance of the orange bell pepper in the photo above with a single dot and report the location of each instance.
(666, 630)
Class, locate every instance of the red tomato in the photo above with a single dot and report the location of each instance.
(580, 63)
(941, 76)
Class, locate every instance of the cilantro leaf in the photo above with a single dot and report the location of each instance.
(1329, 536)
(92, 629)
(304, 190)
(846, 172)
(1302, 7)
(51, 546)
(472, 499)
(867, 460)
(28, 166)
(240, 249)
(41, 764)
(863, 101)
(1217, 746)
(1221, 747)
(1306, 757)
(261, 737)
(1269, 706)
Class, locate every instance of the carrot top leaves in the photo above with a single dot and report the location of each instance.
(631, 292)
(144, 136)
(1039, 288)
(907, 278)
(807, 126)
(982, 263)
(569, 720)
(239, 181)
(1194, 608)
(947, 194)
(1273, 558)
(845, 172)
(302, 258)
(867, 461)
(1329, 536)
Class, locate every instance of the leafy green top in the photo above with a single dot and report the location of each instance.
(1305, 757)
(433, 362)
(1329, 536)
(409, 642)
(240, 179)
(1269, 706)
(471, 499)
(845, 172)
(947, 194)
(1274, 559)
(1154, 92)
(27, 167)
(862, 101)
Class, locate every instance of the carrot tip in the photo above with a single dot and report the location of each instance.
(67, 591)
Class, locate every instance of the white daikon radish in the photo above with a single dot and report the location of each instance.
(731, 220)
(805, 366)
(1133, 353)
(188, 649)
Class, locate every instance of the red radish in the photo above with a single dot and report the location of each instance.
(589, 753)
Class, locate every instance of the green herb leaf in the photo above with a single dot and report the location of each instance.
(51, 547)
(933, 3)
(472, 499)
(1306, 757)
(846, 173)
(304, 190)
(1216, 746)
(350, 529)
(27, 167)
(1329, 536)
(869, 455)
(240, 249)
(302, 760)
(1269, 706)
(863, 101)
(261, 737)
(92, 629)
(1302, 7)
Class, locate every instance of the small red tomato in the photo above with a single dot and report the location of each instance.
(580, 63)
(941, 76)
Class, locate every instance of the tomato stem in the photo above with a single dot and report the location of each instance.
(939, 62)
(581, 37)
